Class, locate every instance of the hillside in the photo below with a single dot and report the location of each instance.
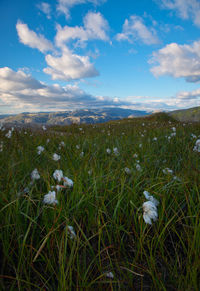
(68, 117)
(186, 115)
(110, 206)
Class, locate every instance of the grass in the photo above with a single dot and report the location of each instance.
(104, 207)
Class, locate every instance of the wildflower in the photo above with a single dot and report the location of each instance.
(71, 232)
(56, 157)
(174, 129)
(173, 134)
(116, 152)
(81, 154)
(108, 151)
(149, 212)
(167, 171)
(109, 275)
(140, 145)
(138, 167)
(48, 140)
(150, 198)
(40, 149)
(50, 198)
(44, 127)
(78, 147)
(35, 175)
(155, 139)
(58, 175)
(197, 146)
(62, 144)
(176, 179)
(8, 134)
(1, 147)
(68, 182)
(90, 172)
(127, 171)
(135, 156)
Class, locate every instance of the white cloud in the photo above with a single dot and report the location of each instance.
(20, 92)
(95, 27)
(178, 61)
(134, 29)
(64, 6)
(30, 38)
(45, 8)
(69, 66)
(186, 9)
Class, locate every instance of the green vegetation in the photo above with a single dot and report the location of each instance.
(187, 115)
(104, 207)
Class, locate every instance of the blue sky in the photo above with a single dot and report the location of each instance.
(70, 54)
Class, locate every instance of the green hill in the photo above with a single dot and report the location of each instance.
(186, 115)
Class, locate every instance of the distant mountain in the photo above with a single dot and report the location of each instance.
(186, 115)
(68, 117)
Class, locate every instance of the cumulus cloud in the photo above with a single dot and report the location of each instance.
(21, 92)
(45, 8)
(95, 27)
(30, 38)
(134, 29)
(69, 66)
(186, 9)
(178, 61)
(64, 6)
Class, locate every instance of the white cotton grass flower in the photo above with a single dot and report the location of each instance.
(56, 157)
(40, 149)
(115, 151)
(50, 198)
(35, 175)
(58, 175)
(197, 146)
(138, 167)
(48, 140)
(90, 172)
(1, 147)
(71, 232)
(149, 212)
(44, 127)
(155, 139)
(135, 156)
(81, 154)
(78, 147)
(127, 171)
(62, 144)
(167, 171)
(108, 151)
(109, 275)
(9, 134)
(151, 198)
(68, 182)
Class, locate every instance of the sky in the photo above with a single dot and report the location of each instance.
(62, 55)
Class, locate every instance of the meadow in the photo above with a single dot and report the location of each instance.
(92, 231)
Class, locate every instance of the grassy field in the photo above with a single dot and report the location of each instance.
(110, 246)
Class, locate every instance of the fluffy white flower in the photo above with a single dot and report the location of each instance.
(40, 149)
(135, 156)
(149, 212)
(44, 127)
(58, 175)
(116, 152)
(35, 175)
(197, 146)
(9, 134)
(138, 167)
(62, 144)
(155, 138)
(50, 198)
(81, 154)
(71, 232)
(127, 171)
(56, 157)
(109, 275)
(77, 147)
(167, 171)
(150, 198)
(48, 140)
(68, 182)
(174, 129)
(108, 151)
